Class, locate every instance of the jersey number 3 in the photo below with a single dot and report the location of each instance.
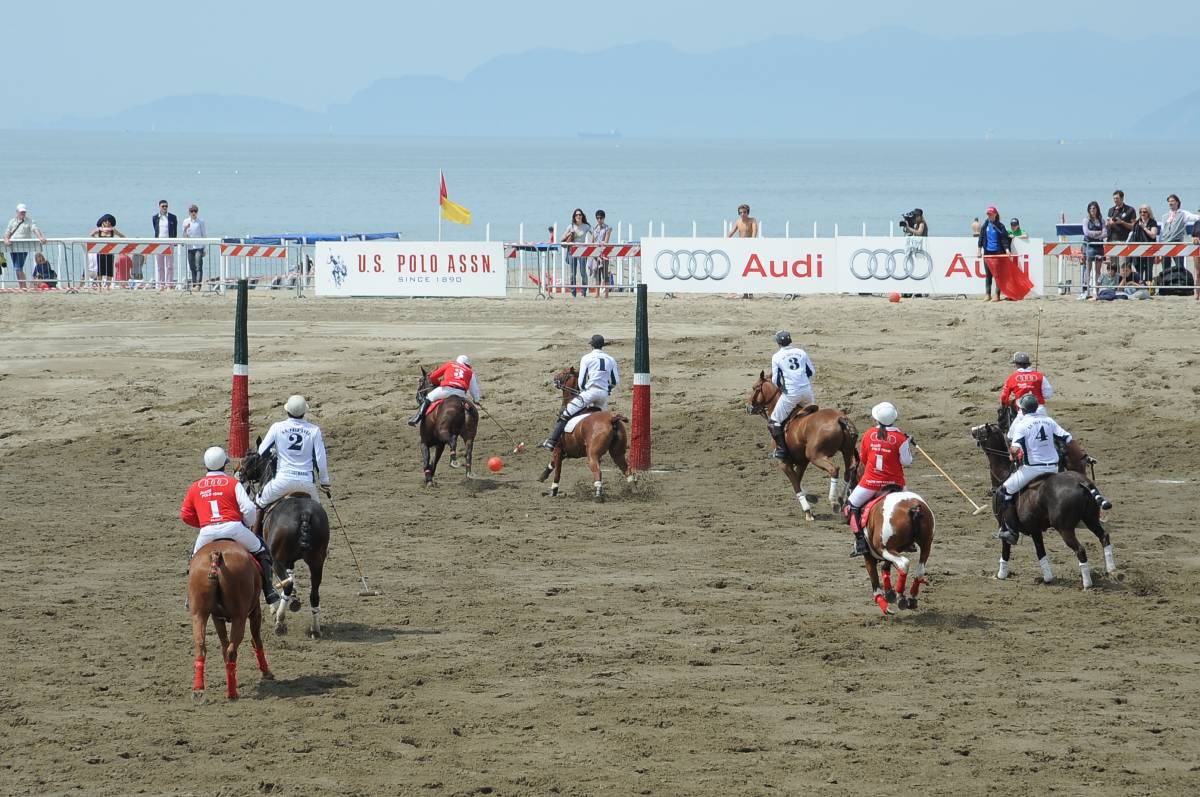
(793, 363)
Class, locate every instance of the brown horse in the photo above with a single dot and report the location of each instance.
(1062, 500)
(599, 432)
(449, 419)
(223, 583)
(296, 528)
(813, 436)
(895, 523)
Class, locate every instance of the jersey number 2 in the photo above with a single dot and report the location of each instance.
(295, 440)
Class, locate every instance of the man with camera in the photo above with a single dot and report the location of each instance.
(913, 223)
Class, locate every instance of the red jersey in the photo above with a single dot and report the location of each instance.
(213, 499)
(1020, 383)
(452, 374)
(883, 460)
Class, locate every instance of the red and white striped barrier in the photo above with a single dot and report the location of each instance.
(584, 250)
(116, 248)
(1151, 250)
(252, 250)
(1061, 250)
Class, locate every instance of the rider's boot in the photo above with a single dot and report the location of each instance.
(268, 575)
(258, 521)
(856, 525)
(1008, 531)
(416, 419)
(550, 442)
(776, 431)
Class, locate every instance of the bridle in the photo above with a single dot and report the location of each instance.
(561, 379)
(758, 400)
(980, 444)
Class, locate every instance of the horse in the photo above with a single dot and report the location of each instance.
(1072, 455)
(598, 432)
(223, 583)
(296, 527)
(895, 521)
(813, 436)
(1061, 500)
(446, 421)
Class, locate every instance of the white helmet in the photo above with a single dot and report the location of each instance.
(463, 359)
(885, 413)
(296, 406)
(215, 458)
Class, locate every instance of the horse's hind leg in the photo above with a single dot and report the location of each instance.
(1039, 549)
(316, 566)
(795, 475)
(830, 467)
(876, 593)
(1097, 528)
(237, 631)
(425, 469)
(597, 483)
(256, 642)
(199, 625)
(470, 452)
(556, 461)
(886, 578)
(617, 452)
(1085, 567)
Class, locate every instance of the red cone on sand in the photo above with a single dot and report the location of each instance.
(495, 464)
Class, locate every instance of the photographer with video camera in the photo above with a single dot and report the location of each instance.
(913, 223)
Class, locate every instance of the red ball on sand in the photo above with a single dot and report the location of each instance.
(495, 464)
(894, 297)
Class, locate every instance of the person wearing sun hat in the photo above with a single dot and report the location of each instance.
(21, 228)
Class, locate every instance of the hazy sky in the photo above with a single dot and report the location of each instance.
(88, 57)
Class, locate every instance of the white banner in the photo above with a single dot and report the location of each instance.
(936, 266)
(409, 268)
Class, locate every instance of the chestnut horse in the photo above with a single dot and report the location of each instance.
(451, 418)
(296, 528)
(1062, 500)
(893, 525)
(223, 583)
(598, 433)
(813, 436)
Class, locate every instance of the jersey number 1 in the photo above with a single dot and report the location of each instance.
(216, 511)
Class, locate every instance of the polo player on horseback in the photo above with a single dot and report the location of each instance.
(791, 371)
(299, 447)
(454, 378)
(884, 452)
(1023, 381)
(1033, 439)
(219, 506)
(598, 375)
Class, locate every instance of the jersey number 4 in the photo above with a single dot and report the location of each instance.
(1041, 435)
(295, 441)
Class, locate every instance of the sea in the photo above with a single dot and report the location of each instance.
(266, 185)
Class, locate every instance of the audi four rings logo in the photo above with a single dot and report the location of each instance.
(882, 264)
(698, 264)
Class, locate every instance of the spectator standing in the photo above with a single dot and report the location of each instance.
(599, 265)
(1145, 231)
(746, 226)
(975, 227)
(577, 232)
(193, 227)
(106, 227)
(1173, 228)
(165, 225)
(1121, 218)
(1095, 230)
(993, 240)
(21, 228)
(1015, 231)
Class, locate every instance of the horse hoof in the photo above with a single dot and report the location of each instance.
(454, 463)
(198, 697)
(599, 499)
(911, 605)
(809, 516)
(314, 634)
(890, 595)
(268, 675)
(280, 629)
(232, 695)
(294, 606)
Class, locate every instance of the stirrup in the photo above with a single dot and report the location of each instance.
(860, 546)
(549, 444)
(414, 420)
(779, 453)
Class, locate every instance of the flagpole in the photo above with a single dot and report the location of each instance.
(441, 180)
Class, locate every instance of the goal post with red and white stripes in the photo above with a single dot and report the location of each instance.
(639, 453)
(239, 410)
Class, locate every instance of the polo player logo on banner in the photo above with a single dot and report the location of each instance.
(337, 270)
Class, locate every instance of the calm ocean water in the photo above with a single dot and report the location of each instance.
(263, 185)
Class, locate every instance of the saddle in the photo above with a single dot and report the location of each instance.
(266, 513)
(575, 419)
(800, 412)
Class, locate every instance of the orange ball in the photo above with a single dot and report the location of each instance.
(495, 464)
(895, 297)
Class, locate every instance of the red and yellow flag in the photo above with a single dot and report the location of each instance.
(452, 211)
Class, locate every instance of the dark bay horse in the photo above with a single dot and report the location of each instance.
(599, 432)
(894, 524)
(451, 418)
(815, 437)
(296, 528)
(223, 583)
(1060, 500)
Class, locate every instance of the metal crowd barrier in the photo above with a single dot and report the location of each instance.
(551, 269)
(1064, 261)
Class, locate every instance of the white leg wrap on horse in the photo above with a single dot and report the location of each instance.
(599, 486)
(1085, 570)
(553, 488)
(1110, 562)
(1047, 573)
(834, 483)
(1002, 571)
(803, 502)
(316, 626)
(280, 612)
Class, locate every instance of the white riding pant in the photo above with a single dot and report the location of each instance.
(233, 530)
(860, 495)
(592, 397)
(443, 392)
(789, 402)
(283, 485)
(1024, 475)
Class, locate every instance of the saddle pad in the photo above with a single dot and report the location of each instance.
(576, 419)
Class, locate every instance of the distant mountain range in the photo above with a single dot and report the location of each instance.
(890, 83)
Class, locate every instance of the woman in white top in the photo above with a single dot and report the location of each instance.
(577, 233)
(1173, 228)
(598, 266)
(193, 227)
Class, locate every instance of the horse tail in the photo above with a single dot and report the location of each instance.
(216, 561)
(915, 516)
(617, 430)
(850, 431)
(302, 532)
(1090, 489)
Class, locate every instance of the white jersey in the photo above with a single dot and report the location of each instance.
(298, 446)
(792, 371)
(1035, 435)
(598, 370)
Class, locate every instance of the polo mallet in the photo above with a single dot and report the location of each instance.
(518, 446)
(366, 591)
(978, 508)
(1037, 340)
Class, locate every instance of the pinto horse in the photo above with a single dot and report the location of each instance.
(813, 436)
(1061, 500)
(223, 583)
(597, 433)
(296, 528)
(446, 421)
(895, 522)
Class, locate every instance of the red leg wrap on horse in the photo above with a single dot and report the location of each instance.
(261, 655)
(231, 679)
(882, 603)
(198, 680)
(900, 582)
(887, 579)
(916, 587)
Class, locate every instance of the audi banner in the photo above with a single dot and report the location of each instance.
(935, 266)
(409, 268)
